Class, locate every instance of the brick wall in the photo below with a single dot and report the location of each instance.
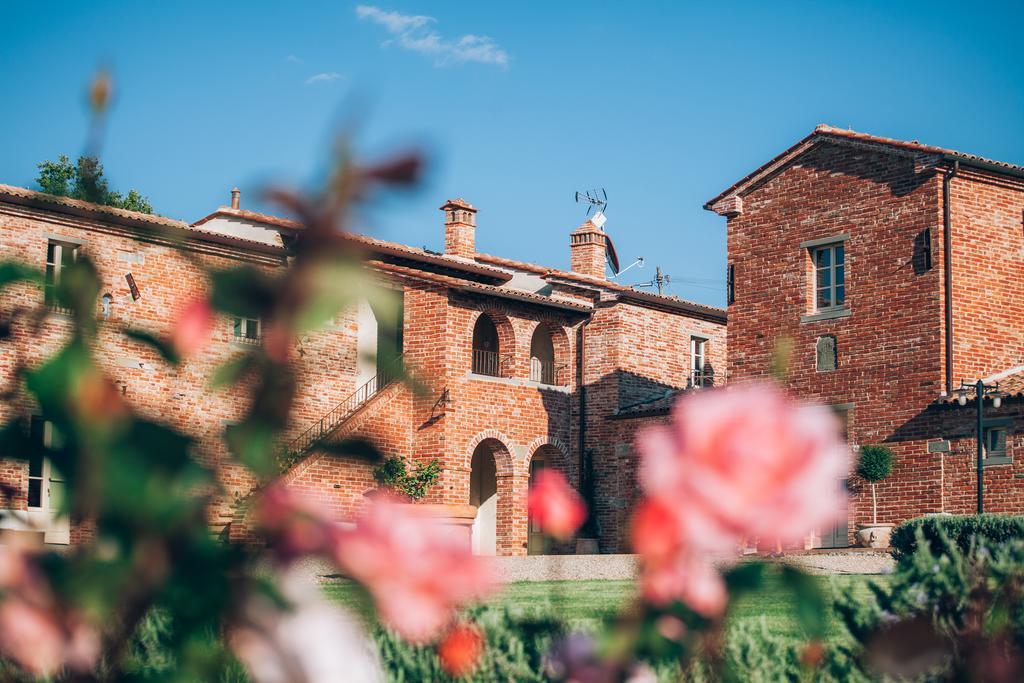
(988, 263)
(891, 357)
(449, 412)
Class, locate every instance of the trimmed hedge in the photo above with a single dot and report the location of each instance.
(960, 529)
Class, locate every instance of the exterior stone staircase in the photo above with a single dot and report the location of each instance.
(299, 447)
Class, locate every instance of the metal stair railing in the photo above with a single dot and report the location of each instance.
(341, 412)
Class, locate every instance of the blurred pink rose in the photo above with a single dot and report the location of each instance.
(294, 525)
(555, 505)
(737, 462)
(36, 632)
(746, 461)
(418, 570)
(193, 328)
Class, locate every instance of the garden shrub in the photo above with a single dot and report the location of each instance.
(394, 475)
(961, 529)
(516, 645)
(874, 463)
(950, 613)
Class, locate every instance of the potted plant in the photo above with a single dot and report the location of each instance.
(874, 465)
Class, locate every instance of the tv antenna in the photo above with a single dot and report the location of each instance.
(596, 201)
(661, 281)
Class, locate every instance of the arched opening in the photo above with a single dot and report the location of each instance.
(486, 349)
(542, 357)
(483, 493)
(546, 456)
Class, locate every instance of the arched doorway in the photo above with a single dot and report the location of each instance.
(483, 493)
(536, 544)
(546, 456)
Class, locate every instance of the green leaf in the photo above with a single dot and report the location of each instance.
(252, 443)
(233, 370)
(810, 601)
(746, 576)
(163, 347)
(243, 291)
(11, 272)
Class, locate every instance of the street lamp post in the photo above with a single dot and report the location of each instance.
(981, 390)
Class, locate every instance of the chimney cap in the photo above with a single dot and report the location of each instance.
(235, 196)
(458, 203)
(588, 226)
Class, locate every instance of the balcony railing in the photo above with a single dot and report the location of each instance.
(700, 379)
(489, 363)
(545, 371)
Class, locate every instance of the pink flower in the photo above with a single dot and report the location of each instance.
(35, 631)
(737, 462)
(686, 577)
(555, 505)
(460, 650)
(193, 328)
(294, 526)
(746, 461)
(418, 571)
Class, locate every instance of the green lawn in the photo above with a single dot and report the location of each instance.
(584, 603)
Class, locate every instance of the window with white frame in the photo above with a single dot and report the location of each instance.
(248, 330)
(829, 276)
(59, 255)
(699, 377)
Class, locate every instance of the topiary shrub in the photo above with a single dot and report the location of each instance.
(874, 465)
(960, 529)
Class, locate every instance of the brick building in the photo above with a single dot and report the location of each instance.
(893, 271)
(512, 355)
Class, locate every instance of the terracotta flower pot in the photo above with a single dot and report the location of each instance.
(874, 535)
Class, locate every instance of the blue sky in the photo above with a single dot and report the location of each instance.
(518, 105)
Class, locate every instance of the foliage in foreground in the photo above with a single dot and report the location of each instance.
(948, 614)
(962, 530)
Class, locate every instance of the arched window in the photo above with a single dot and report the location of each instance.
(486, 358)
(542, 356)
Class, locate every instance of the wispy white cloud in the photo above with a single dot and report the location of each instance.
(416, 34)
(325, 77)
(293, 59)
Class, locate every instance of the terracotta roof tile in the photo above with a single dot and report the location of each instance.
(824, 131)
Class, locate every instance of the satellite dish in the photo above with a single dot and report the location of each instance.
(599, 219)
(609, 254)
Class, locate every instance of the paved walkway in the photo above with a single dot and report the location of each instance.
(624, 567)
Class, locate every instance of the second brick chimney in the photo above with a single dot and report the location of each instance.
(459, 228)
(587, 245)
(236, 195)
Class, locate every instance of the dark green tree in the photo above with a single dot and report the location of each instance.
(84, 180)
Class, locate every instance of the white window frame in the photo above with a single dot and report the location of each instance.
(240, 329)
(698, 360)
(835, 299)
(55, 264)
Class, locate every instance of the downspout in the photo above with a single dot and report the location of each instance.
(947, 267)
(581, 355)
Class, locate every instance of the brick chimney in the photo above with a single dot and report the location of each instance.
(459, 228)
(236, 195)
(587, 246)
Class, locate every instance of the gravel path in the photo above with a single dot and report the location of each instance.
(624, 567)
